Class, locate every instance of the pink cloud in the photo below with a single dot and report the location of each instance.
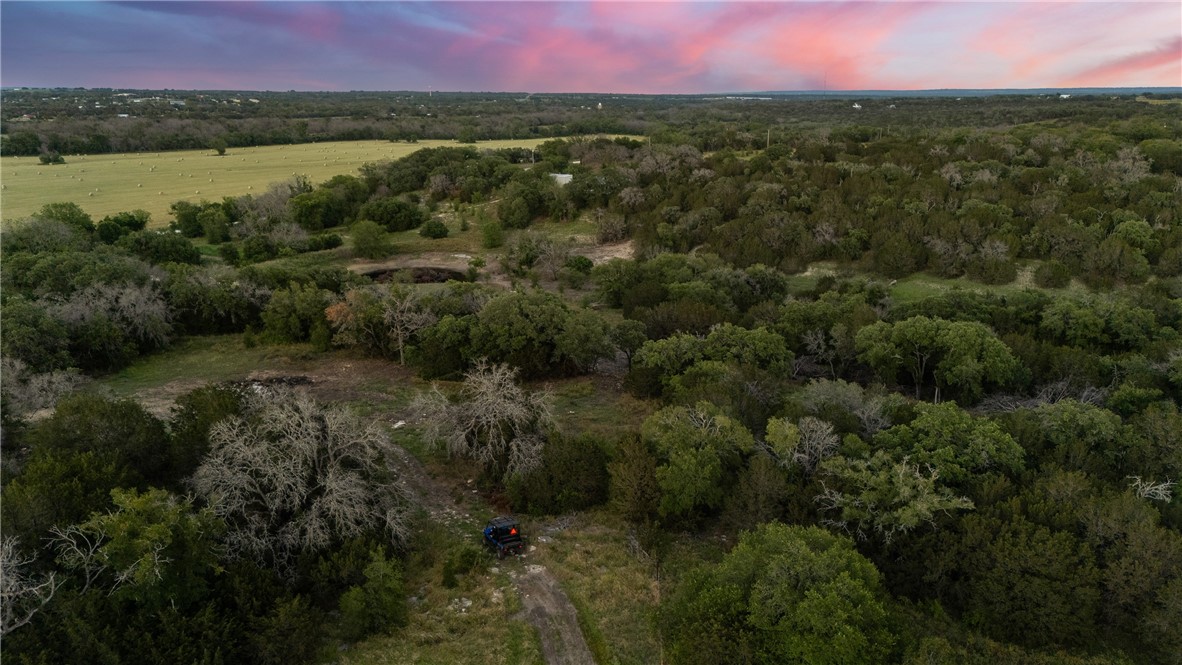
(838, 46)
(1161, 65)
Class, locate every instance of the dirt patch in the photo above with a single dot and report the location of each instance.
(547, 608)
(604, 253)
(436, 262)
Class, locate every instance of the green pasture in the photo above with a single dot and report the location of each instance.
(107, 184)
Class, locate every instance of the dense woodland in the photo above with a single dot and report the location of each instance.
(984, 474)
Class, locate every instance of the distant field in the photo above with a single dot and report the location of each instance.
(106, 184)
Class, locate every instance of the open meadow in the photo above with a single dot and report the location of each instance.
(107, 184)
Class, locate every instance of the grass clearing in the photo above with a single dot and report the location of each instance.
(588, 404)
(477, 621)
(201, 360)
(615, 588)
(107, 184)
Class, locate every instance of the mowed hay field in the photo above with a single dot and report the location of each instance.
(107, 184)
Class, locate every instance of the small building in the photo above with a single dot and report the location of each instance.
(562, 178)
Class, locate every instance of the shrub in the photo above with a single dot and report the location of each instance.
(378, 605)
(492, 235)
(572, 476)
(1052, 275)
(370, 240)
(434, 229)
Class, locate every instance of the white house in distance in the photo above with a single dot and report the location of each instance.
(857, 105)
(562, 178)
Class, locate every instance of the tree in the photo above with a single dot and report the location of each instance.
(154, 548)
(955, 444)
(370, 240)
(195, 413)
(68, 213)
(378, 605)
(584, 340)
(495, 421)
(881, 497)
(784, 594)
(433, 229)
(296, 476)
(32, 336)
(521, 329)
(699, 450)
(394, 214)
(805, 444)
(634, 489)
(117, 430)
(295, 312)
(22, 595)
(218, 145)
(965, 356)
(60, 488)
(1027, 583)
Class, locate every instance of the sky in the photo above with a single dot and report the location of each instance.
(607, 46)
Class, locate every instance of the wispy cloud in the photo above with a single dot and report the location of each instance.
(601, 45)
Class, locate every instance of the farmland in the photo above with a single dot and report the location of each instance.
(107, 184)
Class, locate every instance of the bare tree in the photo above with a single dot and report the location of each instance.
(138, 310)
(382, 321)
(21, 595)
(25, 392)
(1149, 489)
(78, 550)
(495, 422)
(405, 315)
(818, 441)
(294, 475)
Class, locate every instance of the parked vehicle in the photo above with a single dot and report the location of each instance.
(503, 536)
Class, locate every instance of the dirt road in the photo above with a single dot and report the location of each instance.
(548, 609)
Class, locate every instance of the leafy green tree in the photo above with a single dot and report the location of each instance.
(185, 216)
(33, 336)
(60, 488)
(521, 329)
(699, 450)
(195, 414)
(378, 605)
(572, 475)
(370, 240)
(118, 431)
(634, 488)
(293, 313)
(1077, 436)
(759, 495)
(1029, 584)
(964, 356)
(160, 248)
(957, 445)
(154, 548)
(584, 340)
(67, 213)
(785, 594)
(215, 225)
(492, 235)
(974, 360)
(434, 229)
(394, 214)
